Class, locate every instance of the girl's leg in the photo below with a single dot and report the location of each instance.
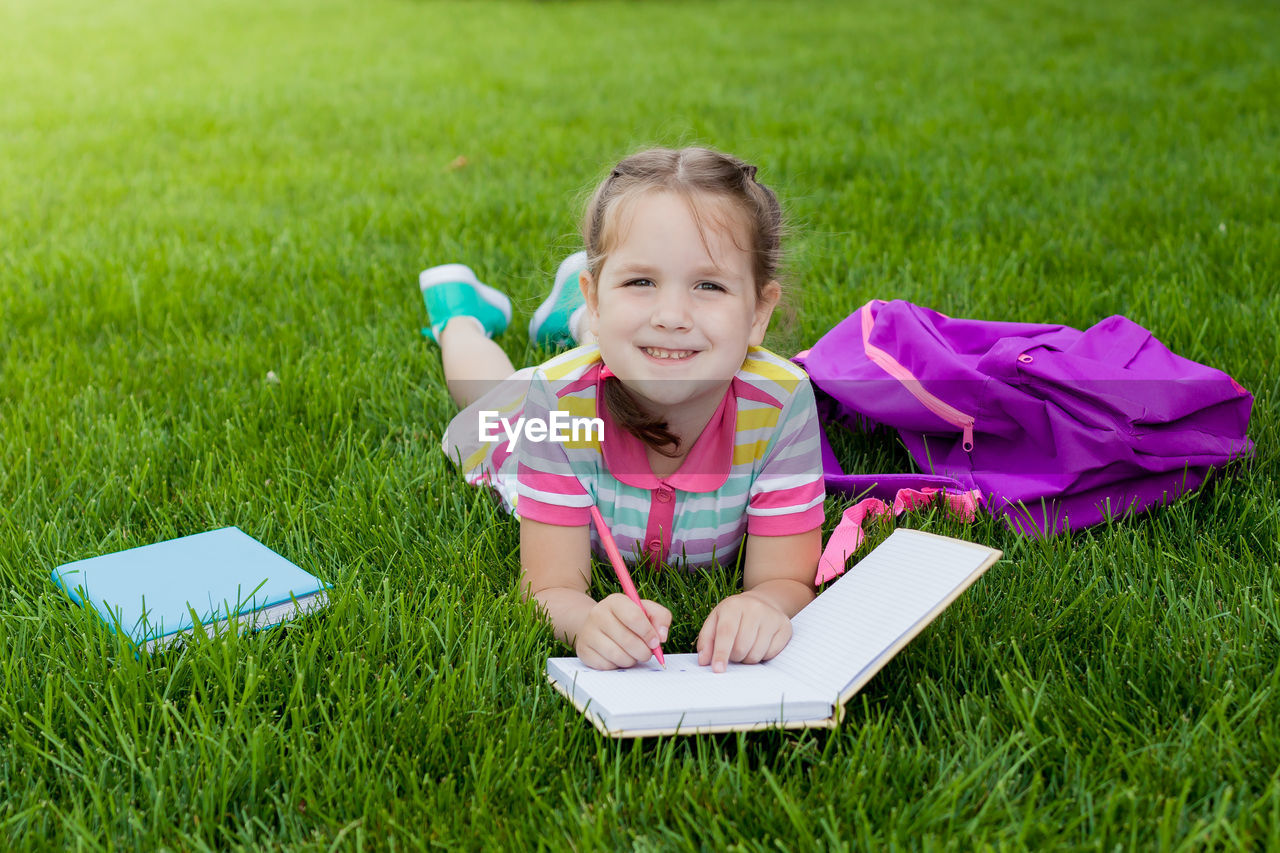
(464, 314)
(473, 364)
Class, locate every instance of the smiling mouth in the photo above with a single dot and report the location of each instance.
(668, 354)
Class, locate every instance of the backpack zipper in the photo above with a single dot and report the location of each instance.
(890, 365)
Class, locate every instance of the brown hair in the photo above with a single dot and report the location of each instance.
(693, 173)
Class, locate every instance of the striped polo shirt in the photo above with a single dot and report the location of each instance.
(756, 468)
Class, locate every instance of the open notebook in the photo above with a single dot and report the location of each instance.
(838, 643)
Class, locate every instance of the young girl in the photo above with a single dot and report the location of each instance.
(703, 438)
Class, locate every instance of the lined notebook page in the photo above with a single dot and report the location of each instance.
(859, 618)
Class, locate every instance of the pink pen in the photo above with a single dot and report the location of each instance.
(624, 577)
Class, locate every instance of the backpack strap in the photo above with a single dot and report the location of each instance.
(882, 486)
(904, 491)
(848, 536)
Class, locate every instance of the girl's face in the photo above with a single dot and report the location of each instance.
(675, 308)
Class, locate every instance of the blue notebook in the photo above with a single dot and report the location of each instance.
(149, 593)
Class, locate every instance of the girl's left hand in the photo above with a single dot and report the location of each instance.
(742, 628)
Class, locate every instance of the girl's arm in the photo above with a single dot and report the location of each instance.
(756, 624)
(555, 567)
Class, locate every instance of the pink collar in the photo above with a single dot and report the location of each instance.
(705, 469)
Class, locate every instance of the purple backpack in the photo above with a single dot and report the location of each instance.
(1056, 429)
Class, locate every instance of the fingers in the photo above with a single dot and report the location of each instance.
(737, 645)
(768, 645)
(742, 631)
(619, 634)
(659, 616)
(752, 651)
(717, 638)
(705, 638)
(631, 632)
(603, 652)
(638, 620)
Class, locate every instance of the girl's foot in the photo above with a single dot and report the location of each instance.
(452, 290)
(556, 321)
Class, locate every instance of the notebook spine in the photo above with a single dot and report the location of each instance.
(253, 620)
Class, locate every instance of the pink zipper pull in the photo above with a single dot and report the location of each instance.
(914, 387)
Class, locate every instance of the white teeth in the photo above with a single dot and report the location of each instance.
(668, 353)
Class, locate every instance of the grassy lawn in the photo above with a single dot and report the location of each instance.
(199, 199)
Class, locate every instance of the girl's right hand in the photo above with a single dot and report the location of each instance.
(618, 634)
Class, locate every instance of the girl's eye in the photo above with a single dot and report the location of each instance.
(639, 282)
(709, 285)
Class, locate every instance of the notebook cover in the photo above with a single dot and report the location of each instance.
(218, 573)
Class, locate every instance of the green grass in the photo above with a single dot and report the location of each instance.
(195, 195)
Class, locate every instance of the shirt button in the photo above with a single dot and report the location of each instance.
(654, 545)
(663, 495)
